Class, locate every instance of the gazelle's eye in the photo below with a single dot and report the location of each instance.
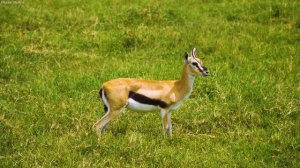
(194, 64)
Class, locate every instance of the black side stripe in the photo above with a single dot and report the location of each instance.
(100, 94)
(146, 100)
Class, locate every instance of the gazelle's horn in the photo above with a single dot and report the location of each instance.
(194, 52)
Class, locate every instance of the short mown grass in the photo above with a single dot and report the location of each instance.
(54, 56)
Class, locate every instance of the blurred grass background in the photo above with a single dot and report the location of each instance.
(54, 56)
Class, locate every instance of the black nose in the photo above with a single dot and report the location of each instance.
(205, 69)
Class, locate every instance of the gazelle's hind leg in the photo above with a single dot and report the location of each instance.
(112, 107)
(102, 123)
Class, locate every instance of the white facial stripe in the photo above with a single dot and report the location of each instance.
(198, 65)
(201, 68)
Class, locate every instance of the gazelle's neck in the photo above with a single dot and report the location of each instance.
(186, 82)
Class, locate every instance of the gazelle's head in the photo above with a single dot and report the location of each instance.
(194, 64)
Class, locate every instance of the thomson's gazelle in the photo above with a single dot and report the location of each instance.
(149, 95)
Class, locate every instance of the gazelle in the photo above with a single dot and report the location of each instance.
(149, 95)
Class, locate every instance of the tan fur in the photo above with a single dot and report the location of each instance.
(171, 92)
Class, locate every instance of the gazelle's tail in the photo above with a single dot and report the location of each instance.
(102, 97)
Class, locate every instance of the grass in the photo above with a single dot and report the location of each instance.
(56, 54)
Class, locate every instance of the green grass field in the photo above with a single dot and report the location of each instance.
(55, 55)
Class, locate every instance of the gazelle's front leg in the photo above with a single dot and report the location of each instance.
(166, 121)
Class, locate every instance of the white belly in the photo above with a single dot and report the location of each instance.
(134, 105)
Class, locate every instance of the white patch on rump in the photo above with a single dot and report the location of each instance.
(137, 106)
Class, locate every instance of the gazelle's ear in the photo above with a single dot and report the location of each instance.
(194, 52)
(186, 57)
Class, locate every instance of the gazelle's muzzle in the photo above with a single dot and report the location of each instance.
(204, 71)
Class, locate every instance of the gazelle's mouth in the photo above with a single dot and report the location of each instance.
(205, 73)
